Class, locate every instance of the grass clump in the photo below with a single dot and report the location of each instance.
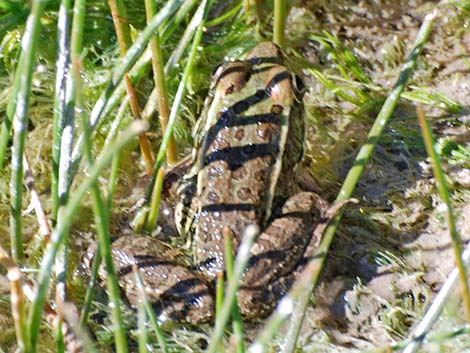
(348, 68)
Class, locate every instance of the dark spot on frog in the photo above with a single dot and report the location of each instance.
(230, 89)
(240, 107)
(202, 344)
(261, 175)
(244, 194)
(261, 94)
(239, 134)
(237, 156)
(266, 132)
(227, 207)
(238, 174)
(299, 84)
(277, 109)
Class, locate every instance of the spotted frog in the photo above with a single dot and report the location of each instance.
(247, 144)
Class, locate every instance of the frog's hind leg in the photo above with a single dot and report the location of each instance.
(176, 292)
(277, 253)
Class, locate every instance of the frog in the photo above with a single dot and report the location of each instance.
(248, 144)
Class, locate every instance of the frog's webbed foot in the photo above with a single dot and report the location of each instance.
(277, 252)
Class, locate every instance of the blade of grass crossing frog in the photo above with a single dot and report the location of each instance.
(243, 255)
(150, 311)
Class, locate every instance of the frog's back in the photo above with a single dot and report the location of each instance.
(243, 151)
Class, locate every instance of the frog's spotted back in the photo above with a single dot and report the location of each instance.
(246, 142)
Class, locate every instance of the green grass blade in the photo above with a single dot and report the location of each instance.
(226, 16)
(60, 104)
(219, 292)
(280, 14)
(60, 233)
(156, 183)
(184, 41)
(101, 214)
(201, 14)
(237, 319)
(150, 311)
(180, 16)
(64, 102)
(160, 83)
(17, 112)
(241, 262)
(90, 289)
(445, 196)
(343, 94)
(347, 59)
(433, 97)
(142, 328)
(112, 187)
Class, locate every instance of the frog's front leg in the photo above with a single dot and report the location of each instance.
(277, 253)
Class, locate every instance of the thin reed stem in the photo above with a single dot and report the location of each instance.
(18, 308)
(219, 292)
(236, 316)
(150, 311)
(113, 177)
(160, 85)
(119, 15)
(142, 327)
(280, 14)
(60, 99)
(17, 113)
(104, 239)
(155, 201)
(200, 15)
(434, 311)
(241, 262)
(445, 196)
